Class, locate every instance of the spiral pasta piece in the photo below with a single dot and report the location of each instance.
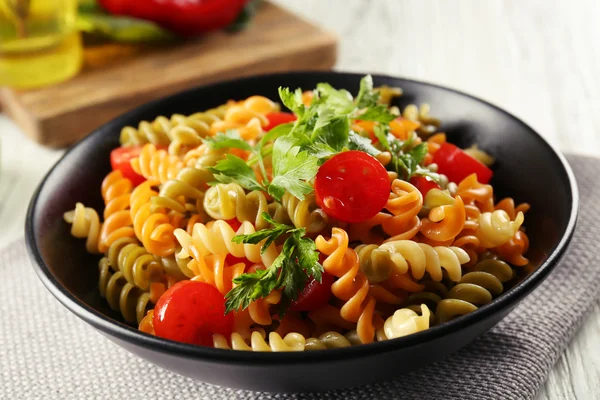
(475, 289)
(328, 340)
(155, 132)
(216, 239)
(444, 222)
(421, 258)
(508, 204)
(405, 322)
(85, 223)
(352, 285)
(116, 191)
(405, 203)
(496, 228)
(121, 295)
(291, 342)
(433, 293)
(159, 131)
(247, 117)
(151, 227)
(514, 250)
(137, 265)
(305, 213)
(228, 201)
(156, 165)
(213, 269)
(473, 192)
(203, 156)
(190, 184)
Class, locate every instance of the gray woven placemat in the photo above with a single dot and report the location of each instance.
(48, 353)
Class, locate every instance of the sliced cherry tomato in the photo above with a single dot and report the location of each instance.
(278, 118)
(457, 165)
(424, 184)
(120, 159)
(315, 295)
(352, 186)
(192, 312)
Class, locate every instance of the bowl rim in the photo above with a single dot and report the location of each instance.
(131, 335)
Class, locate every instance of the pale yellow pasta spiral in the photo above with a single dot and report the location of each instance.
(215, 238)
(405, 322)
(291, 342)
(421, 258)
(85, 223)
(496, 228)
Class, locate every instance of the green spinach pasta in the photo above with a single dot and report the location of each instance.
(340, 222)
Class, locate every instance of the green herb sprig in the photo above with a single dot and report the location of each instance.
(298, 261)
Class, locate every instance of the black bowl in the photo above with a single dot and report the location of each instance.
(527, 168)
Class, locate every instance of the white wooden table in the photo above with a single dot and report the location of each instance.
(539, 59)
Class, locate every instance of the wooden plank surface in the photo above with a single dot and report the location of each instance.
(118, 78)
(539, 59)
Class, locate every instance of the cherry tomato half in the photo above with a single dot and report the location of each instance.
(352, 186)
(120, 159)
(191, 312)
(457, 165)
(314, 295)
(424, 184)
(278, 118)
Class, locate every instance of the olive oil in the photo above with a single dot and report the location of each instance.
(39, 44)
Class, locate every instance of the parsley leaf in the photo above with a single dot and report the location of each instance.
(361, 143)
(367, 101)
(292, 100)
(291, 169)
(308, 256)
(332, 130)
(234, 169)
(339, 101)
(406, 161)
(381, 133)
(228, 140)
(378, 113)
(366, 96)
(269, 234)
(289, 272)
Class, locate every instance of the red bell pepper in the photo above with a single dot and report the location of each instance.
(457, 165)
(186, 18)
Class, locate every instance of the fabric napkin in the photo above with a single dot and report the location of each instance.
(48, 353)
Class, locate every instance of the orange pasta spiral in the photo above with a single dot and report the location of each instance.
(444, 222)
(404, 203)
(152, 228)
(467, 238)
(213, 269)
(479, 194)
(352, 285)
(513, 251)
(247, 117)
(116, 191)
(156, 165)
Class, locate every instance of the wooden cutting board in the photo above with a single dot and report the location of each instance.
(117, 77)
